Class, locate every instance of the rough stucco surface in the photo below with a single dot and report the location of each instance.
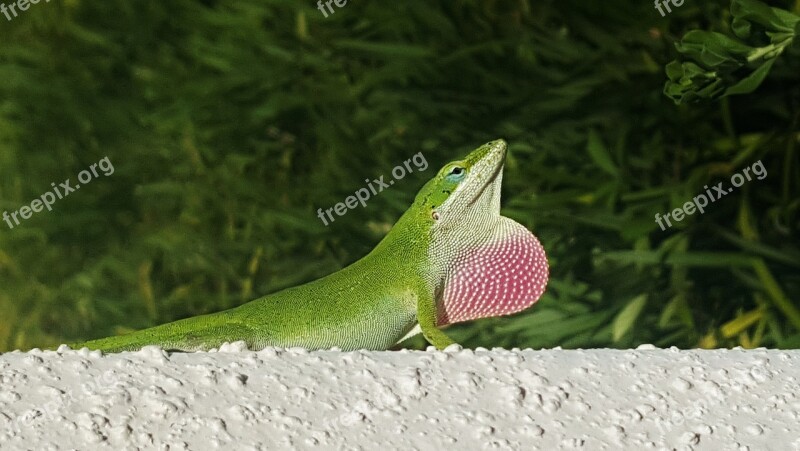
(457, 399)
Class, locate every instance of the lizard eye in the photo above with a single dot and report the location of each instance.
(457, 173)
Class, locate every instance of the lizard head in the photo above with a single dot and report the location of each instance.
(482, 264)
(465, 190)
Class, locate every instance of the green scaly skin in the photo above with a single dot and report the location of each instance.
(375, 302)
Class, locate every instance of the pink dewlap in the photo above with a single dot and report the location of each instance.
(501, 278)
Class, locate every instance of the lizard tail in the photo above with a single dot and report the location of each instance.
(199, 333)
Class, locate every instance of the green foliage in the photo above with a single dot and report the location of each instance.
(230, 122)
(714, 65)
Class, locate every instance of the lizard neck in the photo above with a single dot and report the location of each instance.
(406, 246)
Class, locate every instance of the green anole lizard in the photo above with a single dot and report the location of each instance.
(451, 257)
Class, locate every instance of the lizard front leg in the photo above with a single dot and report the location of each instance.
(426, 316)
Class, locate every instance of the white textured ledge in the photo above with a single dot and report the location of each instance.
(288, 399)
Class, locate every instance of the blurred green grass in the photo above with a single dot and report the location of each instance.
(230, 122)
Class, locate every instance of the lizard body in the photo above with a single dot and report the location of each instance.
(451, 257)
